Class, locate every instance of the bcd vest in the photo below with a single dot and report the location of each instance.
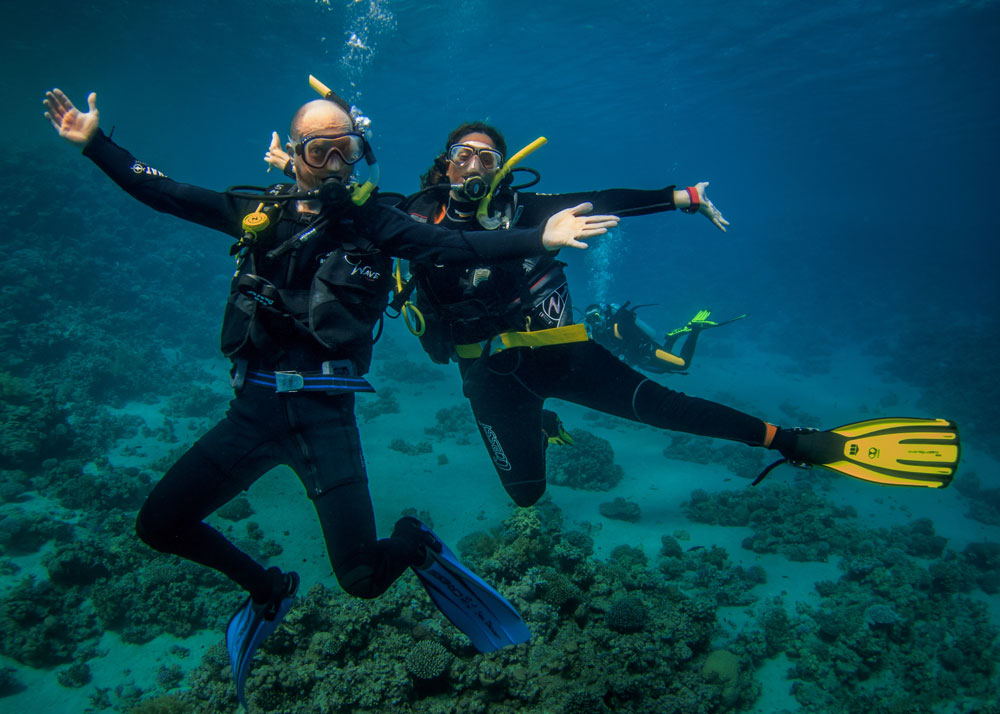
(338, 311)
(498, 299)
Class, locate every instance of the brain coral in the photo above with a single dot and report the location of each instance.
(626, 615)
(428, 660)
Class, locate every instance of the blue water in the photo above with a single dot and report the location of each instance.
(852, 145)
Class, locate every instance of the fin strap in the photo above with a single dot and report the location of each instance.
(768, 470)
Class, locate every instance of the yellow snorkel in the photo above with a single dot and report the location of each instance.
(359, 194)
(320, 88)
(493, 222)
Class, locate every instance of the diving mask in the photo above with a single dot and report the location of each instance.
(316, 150)
(461, 155)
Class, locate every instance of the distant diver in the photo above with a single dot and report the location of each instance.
(312, 277)
(618, 329)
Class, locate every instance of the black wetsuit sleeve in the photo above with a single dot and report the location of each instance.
(398, 234)
(199, 205)
(539, 206)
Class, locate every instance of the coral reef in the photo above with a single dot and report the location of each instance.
(453, 422)
(384, 402)
(894, 633)
(589, 464)
(13, 485)
(74, 676)
(25, 532)
(621, 509)
(915, 359)
(900, 629)
(405, 447)
(610, 636)
(984, 503)
(406, 371)
(709, 570)
(741, 460)
(166, 704)
(198, 400)
(627, 614)
(236, 510)
(428, 660)
(792, 520)
(44, 624)
(9, 682)
(723, 668)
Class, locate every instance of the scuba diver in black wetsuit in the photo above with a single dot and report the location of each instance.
(312, 280)
(621, 332)
(509, 326)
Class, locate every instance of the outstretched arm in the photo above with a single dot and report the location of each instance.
(399, 235)
(145, 183)
(621, 202)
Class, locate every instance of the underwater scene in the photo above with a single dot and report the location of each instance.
(559, 497)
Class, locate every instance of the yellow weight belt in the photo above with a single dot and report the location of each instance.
(539, 338)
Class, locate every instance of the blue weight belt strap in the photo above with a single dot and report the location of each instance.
(308, 382)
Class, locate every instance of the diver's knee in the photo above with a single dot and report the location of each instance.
(527, 494)
(360, 582)
(152, 531)
(651, 399)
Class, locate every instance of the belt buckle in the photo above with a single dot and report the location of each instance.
(288, 381)
(338, 368)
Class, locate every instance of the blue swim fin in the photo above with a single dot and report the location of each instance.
(249, 626)
(483, 614)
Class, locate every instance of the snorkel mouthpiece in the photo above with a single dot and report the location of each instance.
(482, 213)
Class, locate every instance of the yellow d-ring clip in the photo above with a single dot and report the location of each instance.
(412, 316)
(419, 324)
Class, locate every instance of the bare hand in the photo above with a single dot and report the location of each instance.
(708, 209)
(72, 124)
(564, 229)
(276, 155)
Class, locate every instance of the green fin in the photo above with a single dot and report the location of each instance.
(898, 451)
(701, 321)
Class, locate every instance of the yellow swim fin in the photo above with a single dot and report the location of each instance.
(896, 451)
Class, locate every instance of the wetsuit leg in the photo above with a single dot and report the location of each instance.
(227, 460)
(587, 374)
(324, 449)
(509, 417)
(687, 351)
(365, 567)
